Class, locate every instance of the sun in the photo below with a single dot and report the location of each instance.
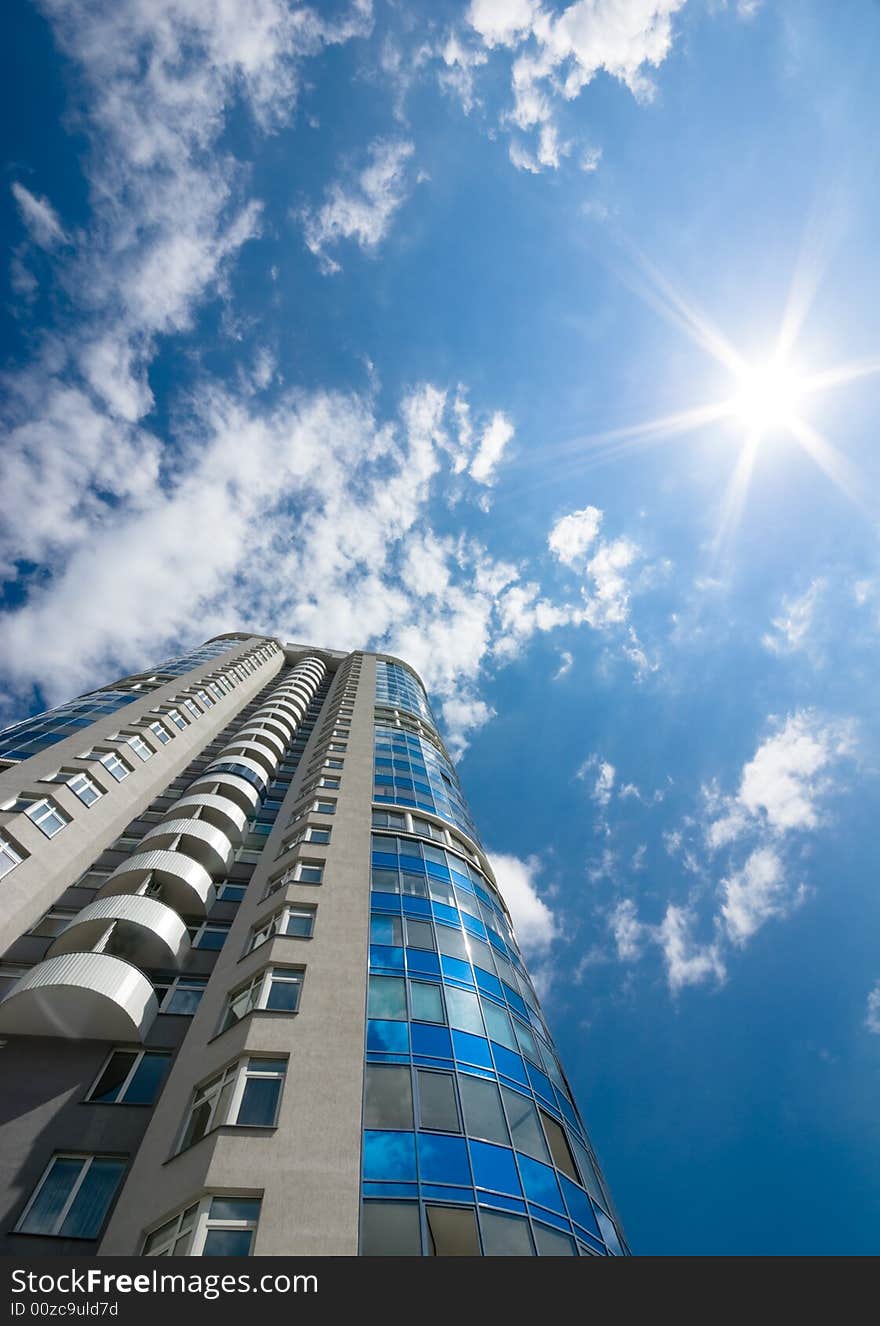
(768, 397)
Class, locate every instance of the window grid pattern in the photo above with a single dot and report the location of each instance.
(472, 1142)
(409, 770)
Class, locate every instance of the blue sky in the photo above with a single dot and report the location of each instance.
(433, 272)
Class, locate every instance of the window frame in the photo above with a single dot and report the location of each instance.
(139, 1056)
(9, 852)
(261, 982)
(89, 1157)
(239, 1073)
(51, 809)
(201, 1226)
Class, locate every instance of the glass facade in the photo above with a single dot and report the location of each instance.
(32, 735)
(472, 1142)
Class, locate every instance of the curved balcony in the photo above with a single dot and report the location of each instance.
(81, 995)
(253, 750)
(144, 931)
(199, 840)
(265, 736)
(242, 793)
(292, 709)
(274, 720)
(252, 771)
(186, 886)
(213, 808)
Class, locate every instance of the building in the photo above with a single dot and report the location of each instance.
(260, 993)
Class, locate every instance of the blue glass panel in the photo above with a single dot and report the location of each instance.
(540, 1183)
(566, 1108)
(377, 1058)
(389, 1155)
(434, 868)
(495, 1168)
(387, 860)
(420, 961)
(462, 881)
(540, 1083)
(432, 1063)
(385, 902)
(496, 941)
(443, 1159)
(473, 1071)
(416, 906)
(505, 1203)
(434, 1193)
(516, 1003)
(387, 1036)
(550, 1218)
(391, 1190)
(384, 930)
(510, 1064)
(471, 923)
(579, 1207)
(592, 1244)
(386, 958)
(414, 864)
(458, 970)
(429, 1040)
(471, 1049)
(609, 1233)
(444, 913)
(486, 982)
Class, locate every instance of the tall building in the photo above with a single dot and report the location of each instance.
(260, 992)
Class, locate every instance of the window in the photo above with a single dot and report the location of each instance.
(452, 1232)
(324, 808)
(388, 1101)
(192, 707)
(337, 745)
(333, 764)
(115, 765)
(210, 934)
(73, 1197)
(559, 1148)
(85, 788)
(9, 857)
(181, 994)
(213, 1227)
(276, 989)
(160, 732)
(437, 1104)
(388, 819)
(205, 699)
(295, 922)
(140, 747)
(308, 872)
(329, 782)
(247, 1094)
(131, 1077)
(47, 817)
(177, 718)
(231, 892)
(54, 921)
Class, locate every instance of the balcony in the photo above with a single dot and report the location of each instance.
(144, 931)
(252, 750)
(81, 995)
(213, 808)
(265, 736)
(243, 793)
(201, 841)
(257, 769)
(186, 886)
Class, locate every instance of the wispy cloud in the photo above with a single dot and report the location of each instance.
(361, 210)
(791, 628)
(40, 218)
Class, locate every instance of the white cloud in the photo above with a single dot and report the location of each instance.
(573, 534)
(566, 662)
(40, 218)
(872, 1016)
(779, 789)
(457, 75)
(627, 930)
(496, 435)
(755, 894)
(605, 775)
(363, 210)
(791, 628)
(607, 602)
(535, 924)
(687, 962)
(555, 56)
